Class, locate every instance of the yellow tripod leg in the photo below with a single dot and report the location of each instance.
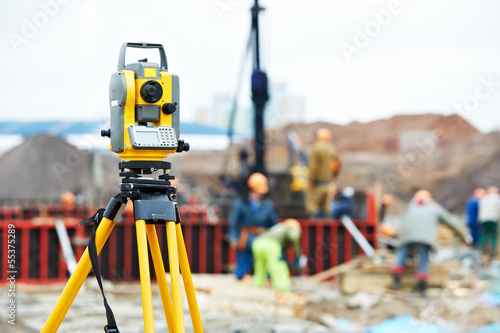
(76, 280)
(173, 259)
(147, 302)
(160, 274)
(188, 281)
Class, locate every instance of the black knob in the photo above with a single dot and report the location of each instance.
(182, 146)
(169, 108)
(106, 133)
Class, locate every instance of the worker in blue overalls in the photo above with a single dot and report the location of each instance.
(249, 218)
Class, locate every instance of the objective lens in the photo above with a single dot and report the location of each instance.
(151, 91)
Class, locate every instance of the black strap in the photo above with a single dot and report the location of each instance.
(96, 219)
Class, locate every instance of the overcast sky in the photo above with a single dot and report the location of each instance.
(349, 59)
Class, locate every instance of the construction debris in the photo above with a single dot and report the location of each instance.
(229, 305)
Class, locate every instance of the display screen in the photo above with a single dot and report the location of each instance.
(147, 137)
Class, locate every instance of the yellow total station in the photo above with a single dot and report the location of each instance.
(145, 108)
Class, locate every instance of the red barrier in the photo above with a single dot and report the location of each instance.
(39, 259)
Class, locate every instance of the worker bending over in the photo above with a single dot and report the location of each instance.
(418, 230)
(268, 250)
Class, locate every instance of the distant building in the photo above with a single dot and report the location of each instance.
(425, 140)
(281, 110)
(417, 140)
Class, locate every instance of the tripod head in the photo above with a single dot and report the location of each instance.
(144, 108)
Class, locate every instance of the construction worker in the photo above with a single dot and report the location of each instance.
(68, 201)
(324, 165)
(472, 211)
(344, 205)
(249, 218)
(268, 249)
(418, 231)
(386, 202)
(489, 216)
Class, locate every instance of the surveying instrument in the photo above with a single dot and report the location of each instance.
(144, 102)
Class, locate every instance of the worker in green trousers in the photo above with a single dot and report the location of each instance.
(268, 250)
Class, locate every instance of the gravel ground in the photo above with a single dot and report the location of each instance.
(34, 304)
(326, 306)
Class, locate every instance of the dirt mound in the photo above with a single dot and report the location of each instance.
(375, 136)
(43, 167)
(479, 169)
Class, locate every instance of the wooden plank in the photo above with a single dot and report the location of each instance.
(359, 280)
(381, 254)
(329, 273)
(386, 267)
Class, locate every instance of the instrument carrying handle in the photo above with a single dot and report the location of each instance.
(123, 50)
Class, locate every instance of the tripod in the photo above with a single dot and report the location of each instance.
(153, 204)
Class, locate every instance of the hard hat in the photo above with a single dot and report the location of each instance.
(387, 199)
(295, 229)
(348, 192)
(257, 182)
(174, 182)
(492, 189)
(324, 134)
(67, 198)
(479, 192)
(387, 230)
(292, 223)
(422, 194)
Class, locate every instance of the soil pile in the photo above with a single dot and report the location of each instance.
(43, 167)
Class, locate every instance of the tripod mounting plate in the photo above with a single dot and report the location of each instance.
(153, 198)
(142, 167)
(155, 210)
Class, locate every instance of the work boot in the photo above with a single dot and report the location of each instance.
(422, 287)
(397, 282)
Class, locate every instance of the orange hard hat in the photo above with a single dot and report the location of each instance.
(423, 194)
(387, 199)
(293, 223)
(67, 198)
(387, 230)
(324, 134)
(479, 192)
(492, 189)
(257, 182)
(129, 207)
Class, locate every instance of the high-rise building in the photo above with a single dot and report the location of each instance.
(283, 108)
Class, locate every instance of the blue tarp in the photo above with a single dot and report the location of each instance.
(408, 324)
(490, 299)
(491, 328)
